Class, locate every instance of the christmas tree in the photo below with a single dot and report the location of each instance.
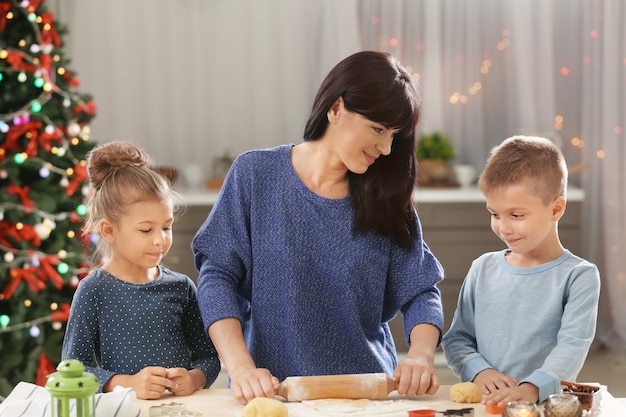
(44, 138)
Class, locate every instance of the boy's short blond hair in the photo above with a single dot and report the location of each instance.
(526, 158)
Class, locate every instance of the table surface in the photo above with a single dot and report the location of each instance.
(219, 402)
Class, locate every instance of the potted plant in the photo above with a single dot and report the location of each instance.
(434, 150)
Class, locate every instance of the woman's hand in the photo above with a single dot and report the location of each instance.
(416, 376)
(246, 380)
(249, 383)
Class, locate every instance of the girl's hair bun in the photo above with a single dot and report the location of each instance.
(107, 160)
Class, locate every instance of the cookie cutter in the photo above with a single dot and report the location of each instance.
(462, 412)
(172, 410)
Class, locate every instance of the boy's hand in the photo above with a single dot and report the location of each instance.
(523, 392)
(491, 381)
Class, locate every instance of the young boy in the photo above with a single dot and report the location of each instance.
(526, 315)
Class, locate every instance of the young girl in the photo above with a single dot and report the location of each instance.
(136, 319)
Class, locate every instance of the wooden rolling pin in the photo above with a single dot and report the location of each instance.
(351, 386)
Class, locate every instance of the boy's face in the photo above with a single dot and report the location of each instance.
(521, 219)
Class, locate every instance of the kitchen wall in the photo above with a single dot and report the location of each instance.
(191, 80)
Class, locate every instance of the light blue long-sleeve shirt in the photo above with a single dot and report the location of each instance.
(313, 294)
(534, 324)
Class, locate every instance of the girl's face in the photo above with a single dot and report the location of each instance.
(141, 238)
(522, 221)
(360, 141)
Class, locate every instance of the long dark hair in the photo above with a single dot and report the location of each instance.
(378, 87)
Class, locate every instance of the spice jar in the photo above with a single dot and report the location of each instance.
(521, 409)
(563, 405)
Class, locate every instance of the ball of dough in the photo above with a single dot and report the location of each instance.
(264, 407)
(465, 392)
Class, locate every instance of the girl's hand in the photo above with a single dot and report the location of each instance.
(416, 376)
(186, 382)
(149, 383)
(249, 383)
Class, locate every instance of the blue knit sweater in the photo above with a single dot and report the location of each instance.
(125, 327)
(314, 295)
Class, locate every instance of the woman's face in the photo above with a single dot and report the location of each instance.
(357, 140)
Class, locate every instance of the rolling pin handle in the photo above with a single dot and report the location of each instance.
(283, 390)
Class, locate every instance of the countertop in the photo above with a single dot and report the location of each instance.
(219, 402)
(202, 197)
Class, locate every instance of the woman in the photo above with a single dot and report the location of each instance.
(312, 248)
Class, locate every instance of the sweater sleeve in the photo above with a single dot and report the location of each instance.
(222, 250)
(424, 271)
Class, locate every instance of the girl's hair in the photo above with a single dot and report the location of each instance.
(526, 158)
(120, 174)
(376, 86)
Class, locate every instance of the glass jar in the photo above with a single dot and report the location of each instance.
(563, 405)
(521, 409)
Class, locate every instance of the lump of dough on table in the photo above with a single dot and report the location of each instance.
(265, 407)
(465, 392)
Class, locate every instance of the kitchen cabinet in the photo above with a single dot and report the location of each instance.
(455, 224)
(180, 258)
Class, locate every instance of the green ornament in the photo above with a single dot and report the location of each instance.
(72, 388)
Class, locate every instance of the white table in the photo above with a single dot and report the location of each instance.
(219, 402)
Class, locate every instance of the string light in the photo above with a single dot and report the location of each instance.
(476, 86)
(25, 325)
(63, 268)
(463, 96)
(19, 158)
(36, 106)
(81, 209)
